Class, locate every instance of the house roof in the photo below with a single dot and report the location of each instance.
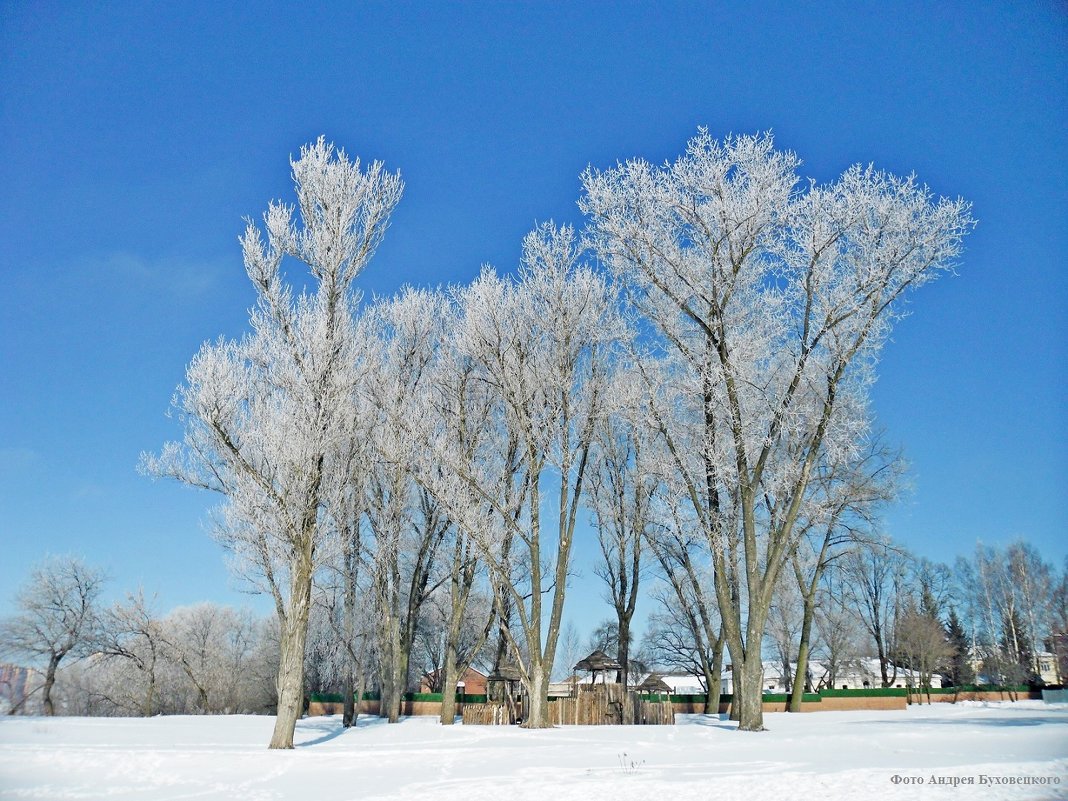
(433, 674)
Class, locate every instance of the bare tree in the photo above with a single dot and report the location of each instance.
(835, 641)
(922, 646)
(345, 513)
(1009, 595)
(676, 641)
(785, 620)
(622, 487)
(195, 639)
(569, 652)
(840, 511)
(873, 579)
(57, 617)
(690, 626)
(262, 414)
(464, 617)
(774, 304)
(408, 523)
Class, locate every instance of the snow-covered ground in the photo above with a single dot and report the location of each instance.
(819, 757)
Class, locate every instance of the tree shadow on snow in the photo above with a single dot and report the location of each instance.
(329, 727)
(709, 721)
(326, 728)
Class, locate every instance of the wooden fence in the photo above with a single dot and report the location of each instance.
(609, 705)
(488, 715)
(604, 705)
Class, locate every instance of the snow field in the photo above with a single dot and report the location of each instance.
(824, 756)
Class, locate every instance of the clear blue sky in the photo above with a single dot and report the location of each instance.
(137, 135)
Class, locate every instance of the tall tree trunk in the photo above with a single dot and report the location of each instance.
(537, 698)
(149, 706)
(748, 697)
(389, 695)
(448, 688)
(400, 682)
(623, 650)
(714, 676)
(294, 635)
(735, 710)
(801, 674)
(351, 547)
(349, 704)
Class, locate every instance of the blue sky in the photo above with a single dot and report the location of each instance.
(137, 136)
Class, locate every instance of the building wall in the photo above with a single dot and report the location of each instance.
(474, 683)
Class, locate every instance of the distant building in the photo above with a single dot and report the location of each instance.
(858, 674)
(13, 686)
(472, 682)
(1049, 671)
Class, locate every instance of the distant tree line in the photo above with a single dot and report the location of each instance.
(128, 658)
(999, 617)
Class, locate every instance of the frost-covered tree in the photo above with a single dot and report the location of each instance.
(212, 647)
(263, 415)
(194, 660)
(133, 637)
(773, 302)
(835, 640)
(407, 523)
(1033, 581)
(57, 618)
(922, 646)
(539, 347)
(622, 488)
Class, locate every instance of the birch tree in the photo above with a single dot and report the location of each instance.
(261, 413)
(1032, 580)
(774, 302)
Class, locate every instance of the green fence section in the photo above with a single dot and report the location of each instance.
(866, 692)
(326, 698)
(778, 698)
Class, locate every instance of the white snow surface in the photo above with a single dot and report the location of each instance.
(824, 756)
